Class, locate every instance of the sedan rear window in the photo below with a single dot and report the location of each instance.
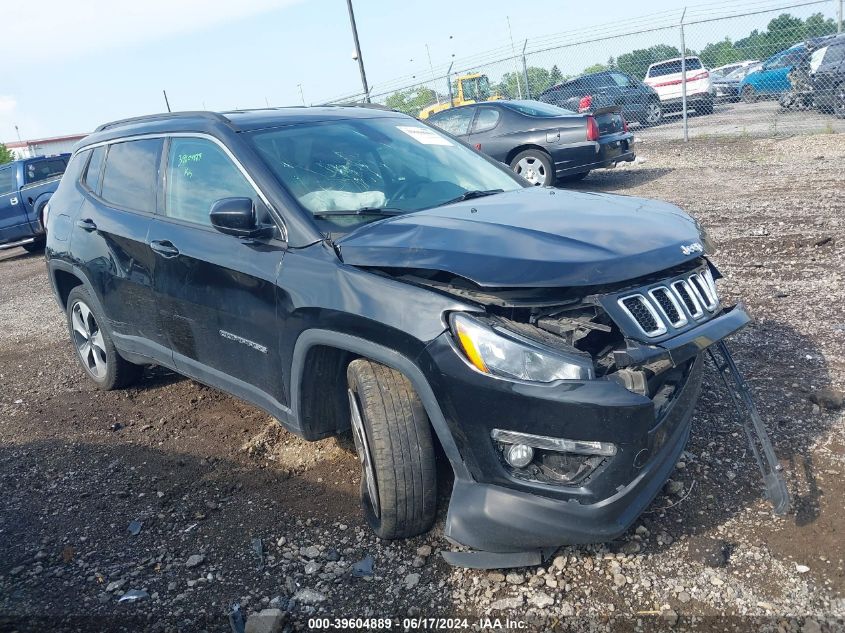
(537, 108)
(673, 67)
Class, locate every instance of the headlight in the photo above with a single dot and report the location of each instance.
(503, 353)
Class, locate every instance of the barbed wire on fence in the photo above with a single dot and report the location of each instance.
(719, 36)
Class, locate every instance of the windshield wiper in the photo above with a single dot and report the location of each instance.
(385, 211)
(469, 195)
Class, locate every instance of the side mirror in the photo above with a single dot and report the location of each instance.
(236, 216)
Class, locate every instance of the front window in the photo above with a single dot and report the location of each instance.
(371, 165)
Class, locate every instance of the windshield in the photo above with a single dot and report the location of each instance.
(389, 164)
(536, 108)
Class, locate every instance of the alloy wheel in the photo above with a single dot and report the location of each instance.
(362, 447)
(532, 169)
(88, 339)
(652, 114)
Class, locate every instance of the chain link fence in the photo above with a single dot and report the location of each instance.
(755, 68)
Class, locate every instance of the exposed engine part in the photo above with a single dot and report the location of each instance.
(632, 379)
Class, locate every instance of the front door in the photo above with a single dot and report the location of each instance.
(216, 293)
(13, 223)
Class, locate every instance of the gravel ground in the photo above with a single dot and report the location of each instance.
(207, 476)
(761, 119)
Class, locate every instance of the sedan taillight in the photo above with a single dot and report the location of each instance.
(592, 129)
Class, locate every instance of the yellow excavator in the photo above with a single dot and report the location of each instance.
(472, 88)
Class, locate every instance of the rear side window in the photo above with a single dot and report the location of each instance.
(623, 81)
(673, 67)
(455, 121)
(129, 180)
(487, 119)
(198, 174)
(92, 172)
(8, 181)
(44, 170)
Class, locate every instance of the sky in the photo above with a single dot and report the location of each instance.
(92, 61)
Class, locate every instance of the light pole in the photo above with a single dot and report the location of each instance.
(301, 96)
(358, 52)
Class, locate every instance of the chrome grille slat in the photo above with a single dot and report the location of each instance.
(666, 308)
(669, 306)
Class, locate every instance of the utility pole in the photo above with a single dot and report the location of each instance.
(358, 52)
(525, 71)
(301, 96)
(431, 67)
(513, 50)
(18, 132)
(166, 102)
(684, 77)
(839, 18)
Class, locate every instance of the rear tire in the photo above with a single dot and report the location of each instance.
(535, 166)
(393, 440)
(839, 101)
(706, 107)
(749, 95)
(35, 247)
(653, 114)
(93, 344)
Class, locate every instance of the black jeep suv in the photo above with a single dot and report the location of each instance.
(349, 267)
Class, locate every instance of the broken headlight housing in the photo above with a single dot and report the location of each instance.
(499, 352)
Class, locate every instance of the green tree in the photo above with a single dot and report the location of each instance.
(538, 80)
(411, 101)
(595, 68)
(555, 76)
(636, 62)
(720, 53)
(6, 155)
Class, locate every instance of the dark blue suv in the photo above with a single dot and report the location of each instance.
(352, 268)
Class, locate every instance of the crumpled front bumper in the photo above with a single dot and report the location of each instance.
(493, 515)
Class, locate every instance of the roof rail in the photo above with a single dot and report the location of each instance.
(364, 104)
(164, 116)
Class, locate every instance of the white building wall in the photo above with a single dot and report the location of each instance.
(45, 147)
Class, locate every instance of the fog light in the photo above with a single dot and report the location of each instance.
(519, 455)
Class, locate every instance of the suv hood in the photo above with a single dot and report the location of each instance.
(532, 237)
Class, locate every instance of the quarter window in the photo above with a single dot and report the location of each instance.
(487, 119)
(623, 81)
(835, 54)
(129, 180)
(198, 174)
(92, 172)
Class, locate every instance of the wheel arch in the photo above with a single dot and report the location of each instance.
(337, 350)
(517, 150)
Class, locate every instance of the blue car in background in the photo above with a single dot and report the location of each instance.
(773, 76)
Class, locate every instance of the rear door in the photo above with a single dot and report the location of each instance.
(110, 240)
(216, 293)
(13, 224)
(633, 96)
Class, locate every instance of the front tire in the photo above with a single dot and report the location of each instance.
(35, 247)
(706, 107)
(95, 350)
(748, 95)
(393, 440)
(535, 166)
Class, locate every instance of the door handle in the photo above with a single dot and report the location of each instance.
(87, 225)
(164, 248)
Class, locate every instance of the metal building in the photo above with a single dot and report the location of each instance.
(44, 146)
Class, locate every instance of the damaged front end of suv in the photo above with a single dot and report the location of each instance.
(570, 400)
